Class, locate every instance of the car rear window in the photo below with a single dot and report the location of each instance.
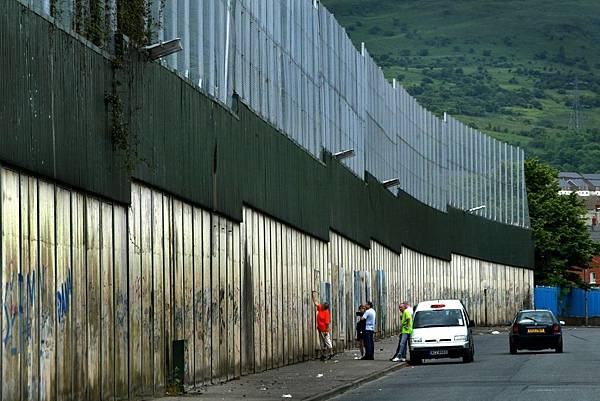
(438, 318)
(535, 316)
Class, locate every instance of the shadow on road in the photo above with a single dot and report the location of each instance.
(534, 352)
(433, 362)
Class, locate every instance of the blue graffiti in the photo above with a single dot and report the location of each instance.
(10, 311)
(63, 297)
(10, 316)
(21, 312)
(13, 311)
(30, 288)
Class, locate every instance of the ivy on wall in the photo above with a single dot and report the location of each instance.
(98, 24)
(131, 21)
(115, 26)
(99, 20)
(137, 21)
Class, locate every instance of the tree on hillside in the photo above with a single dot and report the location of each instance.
(560, 235)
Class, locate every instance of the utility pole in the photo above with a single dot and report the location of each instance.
(576, 117)
(587, 279)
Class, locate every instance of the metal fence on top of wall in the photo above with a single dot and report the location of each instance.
(295, 66)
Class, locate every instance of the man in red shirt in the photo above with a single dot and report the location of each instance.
(323, 322)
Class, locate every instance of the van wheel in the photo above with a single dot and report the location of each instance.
(467, 358)
(415, 361)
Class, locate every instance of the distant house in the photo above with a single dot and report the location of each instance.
(593, 181)
(587, 187)
(582, 184)
(591, 275)
(569, 182)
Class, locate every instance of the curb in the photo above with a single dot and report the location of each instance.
(355, 383)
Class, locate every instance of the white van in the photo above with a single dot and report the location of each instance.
(441, 329)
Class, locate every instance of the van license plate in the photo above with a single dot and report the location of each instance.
(438, 352)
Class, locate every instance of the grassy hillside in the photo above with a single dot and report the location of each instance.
(511, 68)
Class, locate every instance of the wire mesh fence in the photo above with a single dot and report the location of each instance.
(293, 64)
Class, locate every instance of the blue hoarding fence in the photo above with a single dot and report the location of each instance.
(571, 304)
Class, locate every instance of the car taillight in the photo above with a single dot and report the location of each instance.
(555, 328)
(515, 329)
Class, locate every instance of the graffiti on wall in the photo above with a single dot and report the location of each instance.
(63, 297)
(18, 307)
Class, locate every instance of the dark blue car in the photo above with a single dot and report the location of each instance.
(535, 330)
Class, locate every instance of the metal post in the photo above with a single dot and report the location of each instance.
(485, 306)
(586, 298)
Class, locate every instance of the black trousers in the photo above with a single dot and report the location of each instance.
(369, 344)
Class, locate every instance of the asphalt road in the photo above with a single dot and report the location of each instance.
(497, 375)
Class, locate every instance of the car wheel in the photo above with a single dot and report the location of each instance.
(415, 361)
(513, 349)
(559, 349)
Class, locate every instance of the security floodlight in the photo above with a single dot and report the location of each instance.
(474, 209)
(391, 183)
(344, 154)
(163, 49)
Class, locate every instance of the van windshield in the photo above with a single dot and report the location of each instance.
(438, 318)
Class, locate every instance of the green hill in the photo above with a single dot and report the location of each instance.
(524, 71)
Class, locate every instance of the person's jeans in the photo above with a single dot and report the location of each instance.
(369, 344)
(402, 346)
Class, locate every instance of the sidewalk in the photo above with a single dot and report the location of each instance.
(300, 380)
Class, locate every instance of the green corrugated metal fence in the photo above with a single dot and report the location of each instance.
(53, 116)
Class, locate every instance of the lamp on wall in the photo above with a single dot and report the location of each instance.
(391, 183)
(344, 154)
(163, 49)
(474, 209)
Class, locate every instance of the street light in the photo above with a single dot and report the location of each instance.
(344, 154)
(163, 49)
(474, 209)
(391, 183)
